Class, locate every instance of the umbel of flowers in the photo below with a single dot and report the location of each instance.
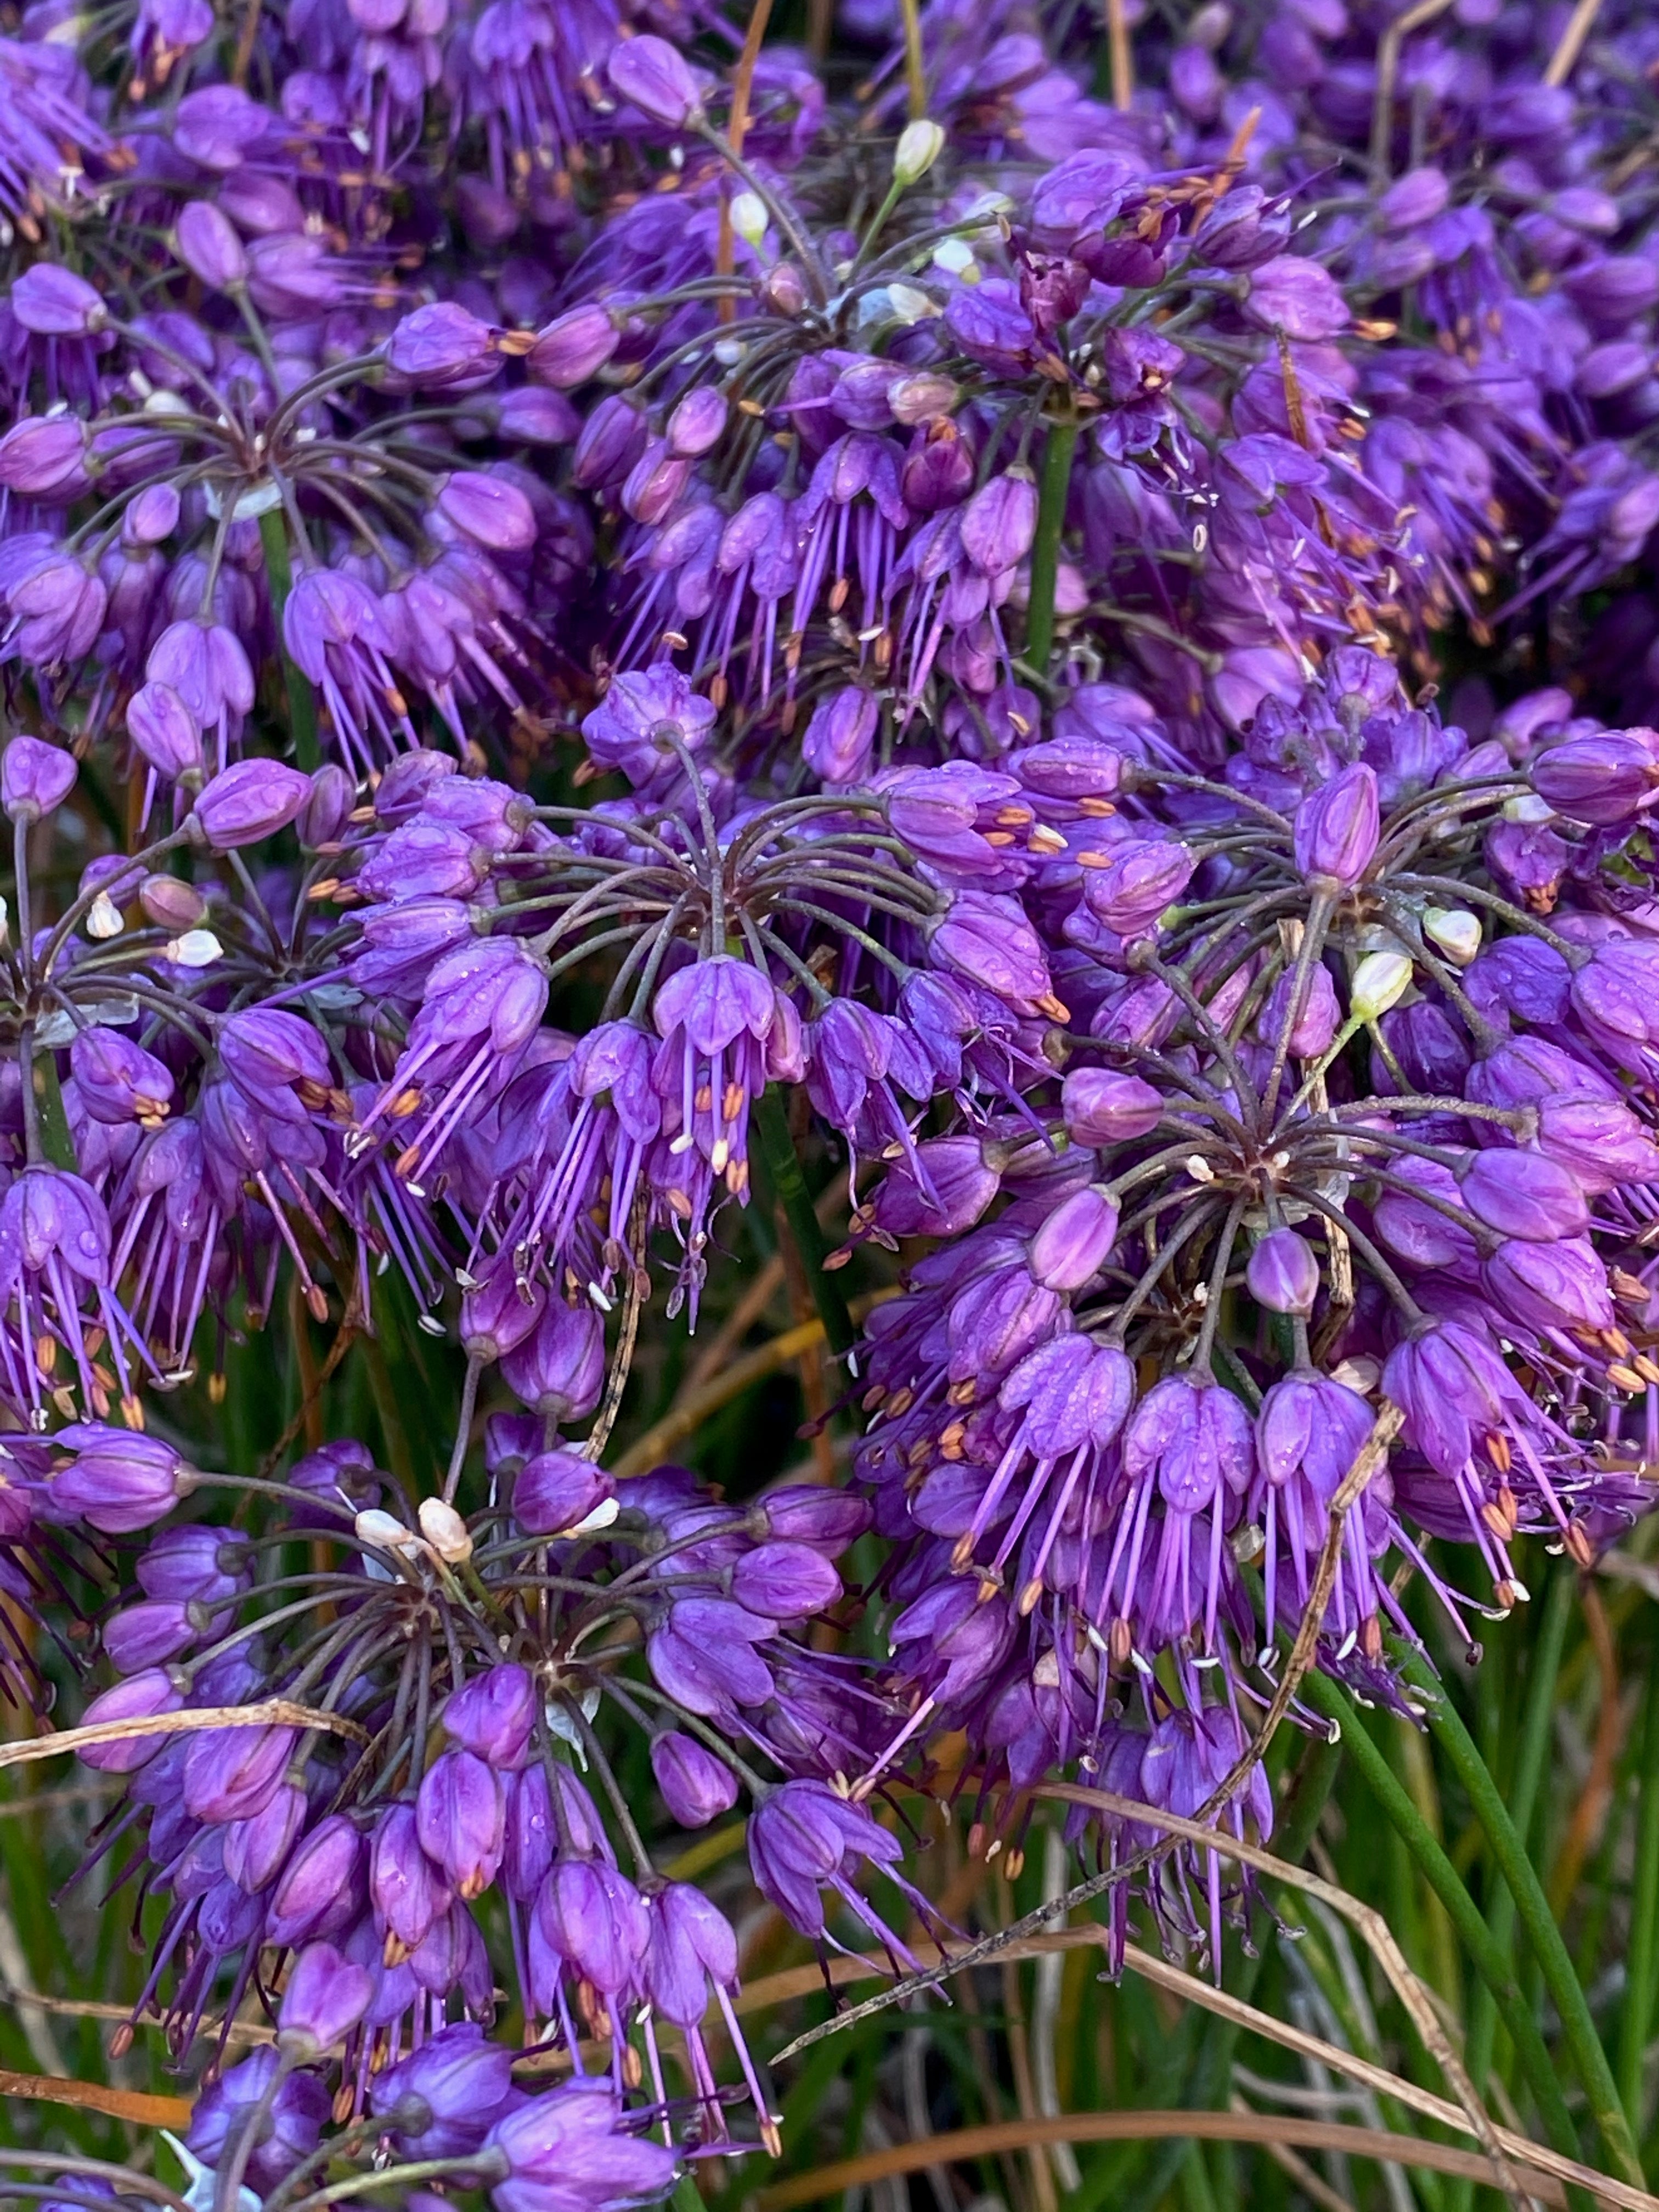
(565, 592)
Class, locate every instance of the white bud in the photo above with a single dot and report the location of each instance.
(1455, 931)
(749, 217)
(104, 917)
(197, 948)
(1529, 809)
(908, 305)
(1381, 980)
(920, 145)
(956, 258)
(445, 1530)
(384, 1531)
(601, 1517)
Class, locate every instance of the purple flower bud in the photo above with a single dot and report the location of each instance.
(1523, 1193)
(1337, 827)
(999, 524)
(1075, 1241)
(529, 417)
(1101, 1107)
(166, 732)
(204, 1563)
(785, 1580)
(557, 1490)
(841, 734)
(257, 1849)
(119, 1081)
(440, 2102)
(1317, 1023)
(1454, 1390)
(1295, 296)
(252, 800)
(325, 1997)
(1242, 230)
(231, 1773)
(558, 1369)
(1549, 1287)
(1414, 199)
(295, 2110)
(692, 1944)
(612, 437)
(829, 1520)
(501, 1312)
(1604, 780)
(652, 75)
(594, 1918)
(492, 1716)
(171, 905)
(442, 347)
(697, 1787)
(55, 303)
(566, 2148)
(488, 510)
(35, 779)
(142, 1697)
(460, 1814)
(209, 245)
(320, 1893)
(573, 348)
(1283, 1274)
(1144, 876)
(407, 1890)
(697, 423)
(118, 1482)
(44, 458)
(1600, 1142)
(147, 1634)
(324, 817)
(703, 1657)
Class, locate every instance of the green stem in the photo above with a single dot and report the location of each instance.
(770, 1123)
(1489, 1962)
(1045, 548)
(1641, 1961)
(1523, 1799)
(1590, 2060)
(301, 707)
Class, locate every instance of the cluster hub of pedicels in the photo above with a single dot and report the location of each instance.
(977, 557)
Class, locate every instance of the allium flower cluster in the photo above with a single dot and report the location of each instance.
(579, 612)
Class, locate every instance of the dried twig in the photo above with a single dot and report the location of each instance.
(1571, 43)
(134, 2105)
(1387, 70)
(272, 1712)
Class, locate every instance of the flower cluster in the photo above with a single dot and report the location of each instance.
(581, 609)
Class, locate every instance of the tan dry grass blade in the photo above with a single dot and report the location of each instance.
(1264, 2128)
(145, 2111)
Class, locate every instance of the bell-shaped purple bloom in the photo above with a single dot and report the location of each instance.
(1337, 827)
(785, 1580)
(557, 1490)
(492, 1716)
(654, 75)
(295, 2112)
(1076, 1241)
(407, 1891)
(1604, 778)
(460, 1816)
(56, 303)
(251, 800)
(442, 347)
(1283, 1274)
(1144, 876)
(320, 1892)
(565, 2151)
(325, 1997)
(645, 714)
(1195, 1437)
(558, 1369)
(595, 1919)
(231, 1773)
(567, 353)
(1558, 1286)
(441, 2100)
(35, 779)
(697, 1787)
(1297, 296)
(1523, 1193)
(117, 1481)
(1453, 1390)
(1103, 1108)
(209, 246)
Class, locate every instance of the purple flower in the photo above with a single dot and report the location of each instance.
(651, 73)
(440, 2102)
(460, 1817)
(253, 800)
(294, 2111)
(697, 1787)
(114, 1480)
(1283, 1274)
(565, 2151)
(325, 1997)
(644, 717)
(1337, 828)
(35, 779)
(56, 303)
